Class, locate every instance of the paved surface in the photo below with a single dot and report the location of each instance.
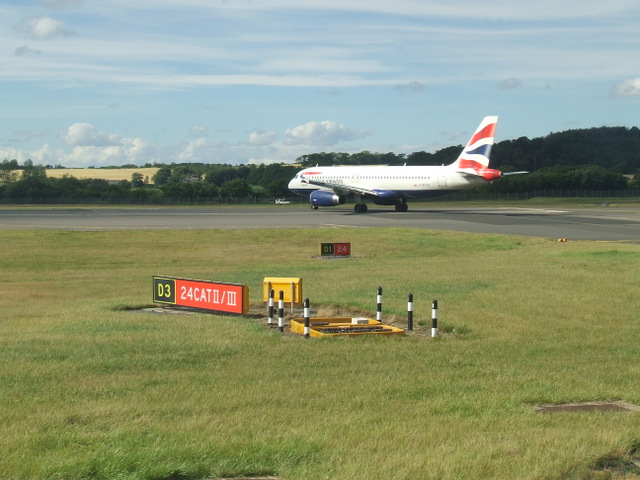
(602, 223)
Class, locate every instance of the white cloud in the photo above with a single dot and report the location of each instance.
(262, 137)
(325, 134)
(131, 151)
(455, 136)
(542, 9)
(203, 150)
(10, 153)
(43, 28)
(61, 3)
(509, 83)
(98, 156)
(199, 131)
(84, 135)
(199, 150)
(628, 88)
(45, 155)
(25, 50)
(410, 87)
(262, 147)
(95, 148)
(89, 147)
(395, 41)
(22, 136)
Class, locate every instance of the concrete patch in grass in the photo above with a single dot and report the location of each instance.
(587, 407)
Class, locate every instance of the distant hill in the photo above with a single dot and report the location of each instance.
(613, 148)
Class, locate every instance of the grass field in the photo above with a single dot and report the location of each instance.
(92, 389)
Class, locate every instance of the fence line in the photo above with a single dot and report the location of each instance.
(601, 195)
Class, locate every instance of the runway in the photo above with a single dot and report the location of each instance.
(599, 223)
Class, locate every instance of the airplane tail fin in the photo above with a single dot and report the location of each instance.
(474, 159)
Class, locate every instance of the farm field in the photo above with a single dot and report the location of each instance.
(92, 386)
(110, 174)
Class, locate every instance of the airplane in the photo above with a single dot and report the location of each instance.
(394, 185)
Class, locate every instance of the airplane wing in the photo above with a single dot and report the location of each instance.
(344, 189)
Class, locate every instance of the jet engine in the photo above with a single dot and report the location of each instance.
(321, 198)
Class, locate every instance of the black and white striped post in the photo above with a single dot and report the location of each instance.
(306, 318)
(281, 311)
(379, 305)
(434, 319)
(410, 313)
(271, 306)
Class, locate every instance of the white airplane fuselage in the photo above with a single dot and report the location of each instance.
(410, 182)
(394, 185)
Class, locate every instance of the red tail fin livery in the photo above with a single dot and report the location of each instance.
(474, 159)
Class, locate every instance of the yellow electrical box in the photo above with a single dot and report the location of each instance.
(291, 287)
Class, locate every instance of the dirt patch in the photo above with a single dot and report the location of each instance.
(259, 313)
(587, 407)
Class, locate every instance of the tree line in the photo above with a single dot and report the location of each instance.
(29, 183)
(605, 158)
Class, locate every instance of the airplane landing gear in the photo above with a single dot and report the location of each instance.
(402, 207)
(360, 208)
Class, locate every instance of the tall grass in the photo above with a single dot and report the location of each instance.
(89, 390)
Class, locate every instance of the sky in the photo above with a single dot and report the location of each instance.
(117, 82)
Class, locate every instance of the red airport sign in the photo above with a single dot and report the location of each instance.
(335, 249)
(202, 295)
